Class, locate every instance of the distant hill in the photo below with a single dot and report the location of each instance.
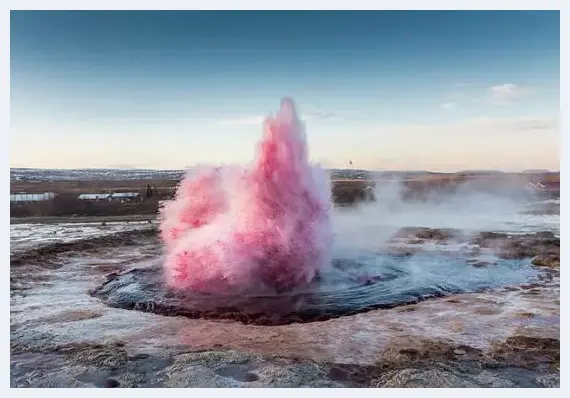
(115, 174)
(482, 171)
(538, 171)
(21, 174)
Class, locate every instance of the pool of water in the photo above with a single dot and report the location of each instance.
(352, 285)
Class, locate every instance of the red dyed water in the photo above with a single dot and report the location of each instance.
(263, 226)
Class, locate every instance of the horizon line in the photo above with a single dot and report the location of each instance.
(326, 168)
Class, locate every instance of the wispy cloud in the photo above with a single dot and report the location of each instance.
(319, 115)
(465, 95)
(449, 106)
(507, 93)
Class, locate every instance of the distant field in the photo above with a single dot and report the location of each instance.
(428, 179)
(67, 205)
(88, 186)
(162, 186)
(344, 191)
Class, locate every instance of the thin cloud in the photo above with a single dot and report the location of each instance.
(321, 115)
(470, 95)
(449, 106)
(507, 93)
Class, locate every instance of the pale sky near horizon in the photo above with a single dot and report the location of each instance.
(405, 90)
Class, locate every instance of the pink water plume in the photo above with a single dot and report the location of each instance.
(266, 225)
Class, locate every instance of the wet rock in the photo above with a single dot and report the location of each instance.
(109, 356)
(238, 369)
(39, 370)
(482, 264)
(421, 350)
(238, 373)
(551, 261)
(548, 381)
(486, 236)
(528, 352)
(421, 234)
(47, 256)
(402, 251)
(491, 380)
(420, 378)
(312, 360)
(458, 375)
(338, 374)
(431, 364)
(519, 246)
(111, 383)
(68, 316)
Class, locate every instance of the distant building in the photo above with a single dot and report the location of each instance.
(126, 196)
(95, 196)
(31, 197)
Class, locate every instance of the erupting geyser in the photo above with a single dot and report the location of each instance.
(233, 229)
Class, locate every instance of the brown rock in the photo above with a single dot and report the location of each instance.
(482, 264)
(528, 352)
(551, 261)
(421, 234)
(519, 246)
(524, 315)
(402, 251)
(487, 311)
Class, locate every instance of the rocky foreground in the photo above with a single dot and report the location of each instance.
(61, 336)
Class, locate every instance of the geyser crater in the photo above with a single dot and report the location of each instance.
(366, 282)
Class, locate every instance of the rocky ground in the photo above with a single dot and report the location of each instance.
(61, 336)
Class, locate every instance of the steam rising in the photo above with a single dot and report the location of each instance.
(371, 225)
(270, 226)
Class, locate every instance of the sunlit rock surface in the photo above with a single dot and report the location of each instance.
(63, 336)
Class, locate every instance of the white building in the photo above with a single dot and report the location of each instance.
(126, 196)
(31, 197)
(94, 196)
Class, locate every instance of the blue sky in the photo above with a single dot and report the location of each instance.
(437, 90)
